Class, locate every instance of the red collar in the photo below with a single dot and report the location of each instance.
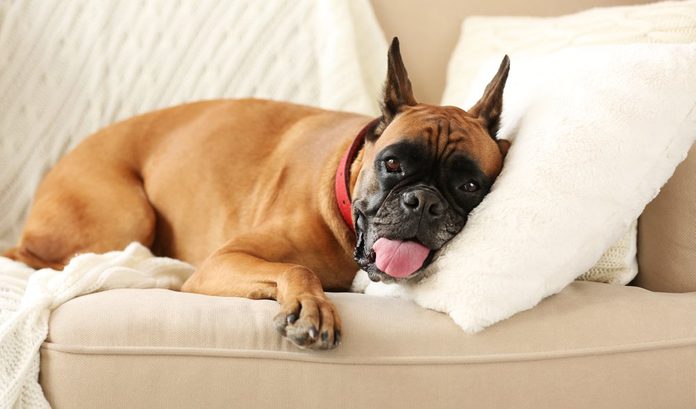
(342, 184)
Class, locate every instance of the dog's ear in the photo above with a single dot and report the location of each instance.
(504, 146)
(397, 88)
(490, 106)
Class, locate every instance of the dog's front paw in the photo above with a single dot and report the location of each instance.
(310, 322)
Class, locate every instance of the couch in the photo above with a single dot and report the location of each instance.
(592, 345)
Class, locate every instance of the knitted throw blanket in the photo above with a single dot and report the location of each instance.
(27, 298)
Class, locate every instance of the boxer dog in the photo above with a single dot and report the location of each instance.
(271, 200)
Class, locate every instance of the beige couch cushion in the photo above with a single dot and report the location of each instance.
(667, 234)
(593, 345)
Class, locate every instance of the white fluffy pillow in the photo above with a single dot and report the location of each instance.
(596, 132)
(484, 40)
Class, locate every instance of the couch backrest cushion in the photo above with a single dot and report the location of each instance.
(667, 234)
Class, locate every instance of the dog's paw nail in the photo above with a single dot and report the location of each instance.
(291, 318)
(325, 336)
(280, 324)
(337, 337)
(312, 332)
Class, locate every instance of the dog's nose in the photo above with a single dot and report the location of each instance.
(423, 201)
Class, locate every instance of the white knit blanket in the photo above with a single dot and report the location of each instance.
(28, 297)
(71, 67)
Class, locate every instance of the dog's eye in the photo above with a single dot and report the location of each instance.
(470, 186)
(393, 165)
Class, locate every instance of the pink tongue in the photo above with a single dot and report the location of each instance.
(399, 258)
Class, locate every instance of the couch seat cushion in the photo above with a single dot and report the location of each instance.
(593, 345)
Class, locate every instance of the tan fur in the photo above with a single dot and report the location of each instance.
(462, 132)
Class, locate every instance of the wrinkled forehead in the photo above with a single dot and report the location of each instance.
(443, 132)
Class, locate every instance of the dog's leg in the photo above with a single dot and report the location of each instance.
(22, 255)
(307, 317)
(77, 211)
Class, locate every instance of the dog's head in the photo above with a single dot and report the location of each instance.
(422, 170)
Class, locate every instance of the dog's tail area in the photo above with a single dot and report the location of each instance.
(11, 253)
(23, 255)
